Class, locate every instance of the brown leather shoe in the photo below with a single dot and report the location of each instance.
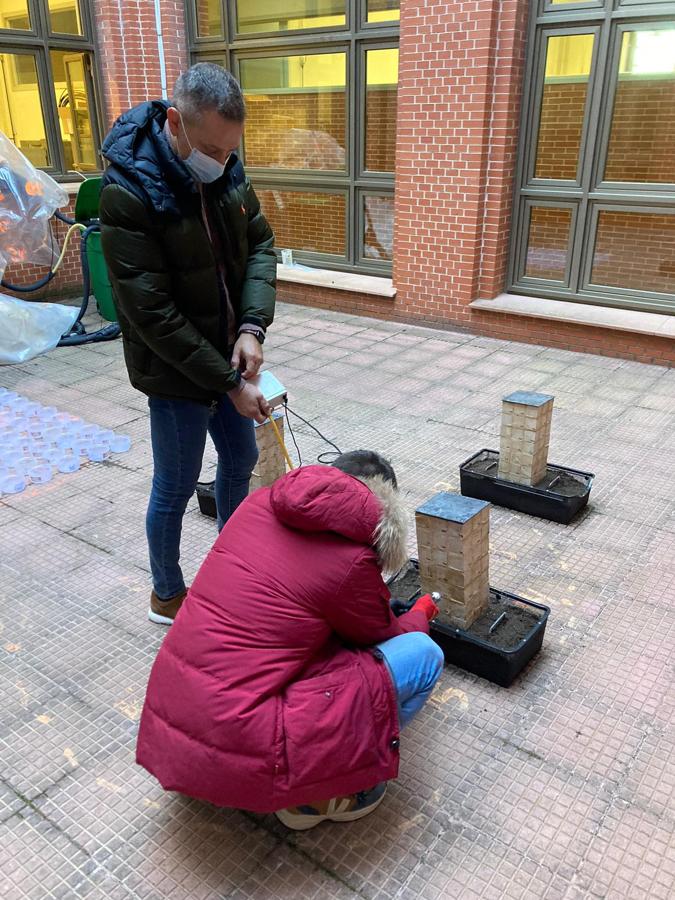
(163, 612)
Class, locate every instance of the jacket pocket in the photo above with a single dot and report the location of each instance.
(328, 727)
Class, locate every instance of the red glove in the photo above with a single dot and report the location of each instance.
(426, 605)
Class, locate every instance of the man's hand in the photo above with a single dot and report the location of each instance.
(249, 402)
(247, 356)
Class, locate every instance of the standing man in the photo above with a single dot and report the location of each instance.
(193, 269)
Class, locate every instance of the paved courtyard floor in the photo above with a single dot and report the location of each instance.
(561, 786)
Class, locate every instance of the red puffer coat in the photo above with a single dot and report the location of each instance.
(264, 694)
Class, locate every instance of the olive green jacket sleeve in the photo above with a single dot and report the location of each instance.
(258, 294)
(142, 287)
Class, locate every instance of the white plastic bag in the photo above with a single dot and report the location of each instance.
(29, 329)
(28, 200)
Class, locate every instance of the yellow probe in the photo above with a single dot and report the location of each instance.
(280, 441)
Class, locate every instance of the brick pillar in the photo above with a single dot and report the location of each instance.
(128, 51)
(525, 437)
(271, 462)
(458, 109)
(453, 548)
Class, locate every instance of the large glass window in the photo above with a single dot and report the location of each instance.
(306, 220)
(47, 103)
(548, 243)
(320, 80)
(15, 14)
(383, 10)
(21, 115)
(643, 119)
(635, 250)
(296, 110)
(563, 105)
(595, 211)
(64, 16)
(209, 18)
(256, 16)
(381, 97)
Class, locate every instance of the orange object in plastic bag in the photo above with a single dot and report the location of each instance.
(28, 200)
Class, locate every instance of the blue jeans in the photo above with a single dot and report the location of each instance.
(415, 663)
(178, 431)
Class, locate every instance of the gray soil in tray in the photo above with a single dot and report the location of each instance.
(518, 623)
(556, 480)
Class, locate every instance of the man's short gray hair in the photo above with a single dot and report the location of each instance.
(206, 86)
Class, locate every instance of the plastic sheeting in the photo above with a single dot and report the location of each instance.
(29, 329)
(28, 200)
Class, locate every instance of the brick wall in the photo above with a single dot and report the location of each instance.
(459, 91)
(127, 50)
(128, 63)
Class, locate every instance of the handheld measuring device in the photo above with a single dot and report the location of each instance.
(271, 388)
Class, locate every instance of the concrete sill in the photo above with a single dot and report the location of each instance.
(340, 281)
(580, 314)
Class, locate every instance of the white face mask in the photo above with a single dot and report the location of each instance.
(202, 167)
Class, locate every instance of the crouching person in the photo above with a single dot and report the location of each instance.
(285, 679)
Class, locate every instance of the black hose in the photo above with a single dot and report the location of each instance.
(62, 218)
(28, 289)
(86, 278)
(77, 335)
(108, 333)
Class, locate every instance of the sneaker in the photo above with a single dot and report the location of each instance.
(163, 612)
(339, 809)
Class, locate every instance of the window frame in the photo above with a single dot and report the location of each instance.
(597, 208)
(307, 50)
(41, 41)
(355, 38)
(588, 193)
(536, 203)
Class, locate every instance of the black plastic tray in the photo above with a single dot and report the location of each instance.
(461, 648)
(206, 498)
(546, 504)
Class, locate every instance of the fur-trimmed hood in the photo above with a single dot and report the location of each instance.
(368, 510)
(392, 530)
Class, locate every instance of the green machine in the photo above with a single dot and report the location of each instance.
(86, 213)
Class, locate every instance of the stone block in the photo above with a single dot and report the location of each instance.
(453, 550)
(525, 437)
(271, 463)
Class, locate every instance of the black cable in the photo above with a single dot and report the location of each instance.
(322, 457)
(63, 218)
(52, 246)
(292, 434)
(314, 428)
(23, 289)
